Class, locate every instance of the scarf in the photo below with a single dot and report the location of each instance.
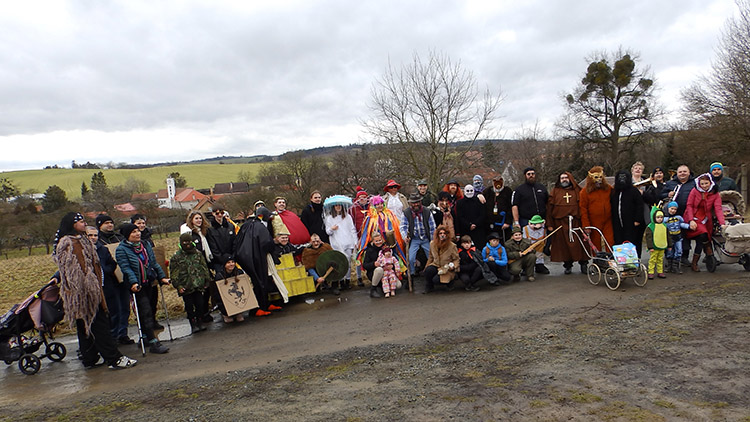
(140, 251)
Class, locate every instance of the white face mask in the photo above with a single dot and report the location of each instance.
(469, 191)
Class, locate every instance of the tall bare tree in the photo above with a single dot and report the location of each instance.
(612, 108)
(422, 108)
(717, 105)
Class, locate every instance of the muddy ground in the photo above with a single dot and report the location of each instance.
(555, 349)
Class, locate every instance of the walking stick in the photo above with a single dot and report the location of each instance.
(166, 312)
(408, 270)
(140, 330)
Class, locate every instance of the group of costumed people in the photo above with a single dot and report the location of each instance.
(469, 234)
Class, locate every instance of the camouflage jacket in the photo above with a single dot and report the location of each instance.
(189, 271)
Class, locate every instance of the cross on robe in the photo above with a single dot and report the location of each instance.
(567, 197)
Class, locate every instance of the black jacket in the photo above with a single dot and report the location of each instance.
(312, 218)
(221, 241)
(109, 238)
(108, 265)
(531, 200)
(627, 209)
(368, 261)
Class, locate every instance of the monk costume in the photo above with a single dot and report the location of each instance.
(563, 210)
(595, 206)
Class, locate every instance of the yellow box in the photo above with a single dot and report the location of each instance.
(300, 286)
(287, 260)
(291, 273)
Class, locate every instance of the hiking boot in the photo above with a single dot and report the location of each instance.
(531, 278)
(359, 282)
(516, 278)
(568, 270)
(194, 326)
(584, 267)
(125, 340)
(207, 318)
(158, 348)
(471, 288)
(239, 318)
(375, 293)
(335, 288)
(227, 319)
(541, 269)
(123, 362)
(694, 266)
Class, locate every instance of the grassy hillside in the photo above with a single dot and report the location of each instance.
(197, 175)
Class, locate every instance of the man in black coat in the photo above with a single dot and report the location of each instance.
(470, 214)
(106, 227)
(369, 263)
(498, 208)
(627, 210)
(529, 199)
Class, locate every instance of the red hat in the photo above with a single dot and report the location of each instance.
(360, 193)
(391, 183)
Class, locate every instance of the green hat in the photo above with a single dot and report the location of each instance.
(537, 219)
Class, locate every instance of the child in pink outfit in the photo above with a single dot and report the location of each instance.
(391, 269)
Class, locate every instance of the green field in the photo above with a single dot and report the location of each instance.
(198, 176)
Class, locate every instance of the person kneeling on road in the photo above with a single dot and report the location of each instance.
(443, 262)
(520, 260)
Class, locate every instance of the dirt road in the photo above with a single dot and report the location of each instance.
(555, 349)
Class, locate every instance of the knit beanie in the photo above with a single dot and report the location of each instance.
(102, 218)
(126, 229)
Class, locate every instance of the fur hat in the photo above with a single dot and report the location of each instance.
(103, 218)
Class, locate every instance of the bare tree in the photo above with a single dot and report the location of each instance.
(612, 108)
(422, 109)
(717, 106)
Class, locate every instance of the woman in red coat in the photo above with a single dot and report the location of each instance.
(703, 204)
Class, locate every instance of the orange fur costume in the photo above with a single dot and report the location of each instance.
(595, 206)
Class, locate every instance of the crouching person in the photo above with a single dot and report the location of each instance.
(190, 276)
(443, 262)
(136, 260)
(518, 259)
(310, 257)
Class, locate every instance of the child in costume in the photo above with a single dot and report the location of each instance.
(391, 271)
(190, 276)
(494, 255)
(516, 247)
(657, 241)
(675, 224)
(534, 231)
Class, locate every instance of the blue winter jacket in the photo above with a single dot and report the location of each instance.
(130, 266)
(501, 258)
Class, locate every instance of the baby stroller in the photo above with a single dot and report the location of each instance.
(39, 312)
(620, 262)
(731, 246)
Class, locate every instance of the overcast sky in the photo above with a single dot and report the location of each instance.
(160, 81)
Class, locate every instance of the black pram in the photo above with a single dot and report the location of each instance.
(38, 313)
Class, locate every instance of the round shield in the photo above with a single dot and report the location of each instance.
(334, 260)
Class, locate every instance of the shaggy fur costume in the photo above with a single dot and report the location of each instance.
(80, 280)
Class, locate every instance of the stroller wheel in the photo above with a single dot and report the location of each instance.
(56, 352)
(612, 278)
(641, 276)
(29, 364)
(594, 274)
(745, 261)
